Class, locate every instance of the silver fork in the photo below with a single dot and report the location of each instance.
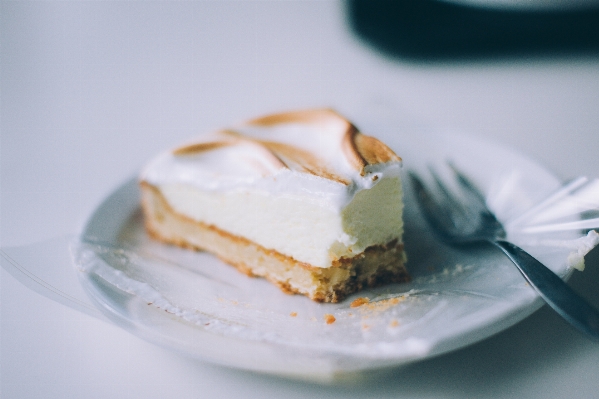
(468, 221)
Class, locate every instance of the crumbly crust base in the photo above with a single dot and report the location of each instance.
(377, 265)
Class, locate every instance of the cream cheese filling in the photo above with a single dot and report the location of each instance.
(314, 232)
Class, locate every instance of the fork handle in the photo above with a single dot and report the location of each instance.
(556, 293)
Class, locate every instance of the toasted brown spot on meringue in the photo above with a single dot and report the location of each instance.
(264, 152)
(200, 147)
(222, 138)
(362, 150)
(374, 151)
(301, 160)
(348, 146)
(312, 116)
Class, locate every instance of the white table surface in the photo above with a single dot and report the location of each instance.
(91, 90)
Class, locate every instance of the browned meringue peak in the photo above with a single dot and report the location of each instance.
(299, 159)
(200, 147)
(360, 150)
(229, 138)
(327, 118)
(373, 151)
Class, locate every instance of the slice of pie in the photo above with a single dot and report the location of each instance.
(300, 198)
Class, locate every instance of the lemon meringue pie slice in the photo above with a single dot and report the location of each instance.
(301, 198)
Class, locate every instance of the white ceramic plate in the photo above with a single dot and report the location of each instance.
(193, 303)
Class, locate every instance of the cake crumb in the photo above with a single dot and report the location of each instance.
(394, 323)
(359, 302)
(329, 318)
(293, 314)
(384, 304)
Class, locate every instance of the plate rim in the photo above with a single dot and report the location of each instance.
(127, 194)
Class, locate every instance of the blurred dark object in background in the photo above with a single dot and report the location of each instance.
(429, 30)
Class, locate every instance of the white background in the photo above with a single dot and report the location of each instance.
(91, 90)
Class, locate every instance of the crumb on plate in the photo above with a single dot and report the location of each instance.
(359, 302)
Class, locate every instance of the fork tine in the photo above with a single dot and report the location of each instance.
(427, 203)
(455, 203)
(468, 187)
(425, 198)
(486, 228)
(478, 199)
(453, 220)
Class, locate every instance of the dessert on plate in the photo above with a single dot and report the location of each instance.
(302, 199)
